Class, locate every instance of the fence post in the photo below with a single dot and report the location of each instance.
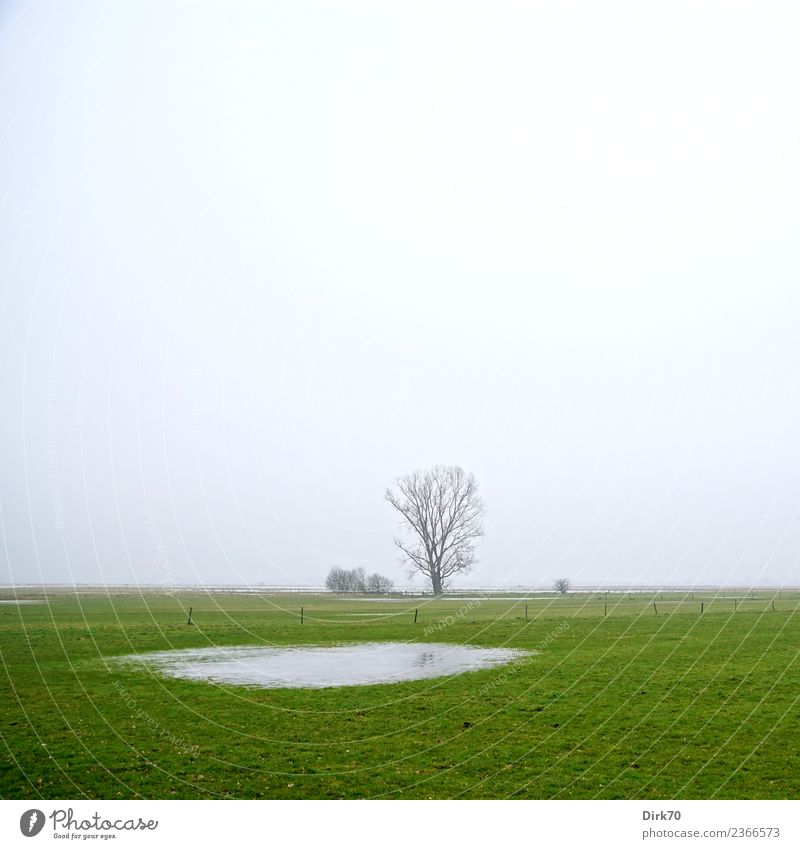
(526, 612)
(605, 609)
(655, 608)
(701, 606)
(415, 615)
(190, 617)
(301, 615)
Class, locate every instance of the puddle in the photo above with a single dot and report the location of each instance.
(317, 666)
(337, 613)
(19, 601)
(375, 600)
(412, 600)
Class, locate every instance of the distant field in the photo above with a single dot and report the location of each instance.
(638, 696)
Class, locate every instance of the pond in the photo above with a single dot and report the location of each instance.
(323, 666)
(19, 601)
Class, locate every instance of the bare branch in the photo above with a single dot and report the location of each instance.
(443, 514)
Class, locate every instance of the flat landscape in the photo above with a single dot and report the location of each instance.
(626, 696)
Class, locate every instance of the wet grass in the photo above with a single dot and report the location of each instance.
(638, 703)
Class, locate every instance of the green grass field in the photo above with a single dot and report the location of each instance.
(638, 703)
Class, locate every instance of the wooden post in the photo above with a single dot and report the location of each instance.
(605, 609)
(526, 612)
(301, 615)
(701, 606)
(190, 617)
(773, 605)
(415, 615)
(655, 608)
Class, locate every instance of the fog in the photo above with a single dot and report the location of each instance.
(258, 260)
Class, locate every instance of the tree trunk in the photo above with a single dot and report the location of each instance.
(436, 580)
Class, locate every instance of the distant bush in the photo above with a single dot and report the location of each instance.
(379, 584)
(562, 585)
(341, 580)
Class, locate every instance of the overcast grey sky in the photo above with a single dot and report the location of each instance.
(258, 259)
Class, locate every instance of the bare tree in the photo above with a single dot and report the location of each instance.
(443, 513)
(341, 580)
(379, 584)
(336, 580)
(562, 585)
(358, 580)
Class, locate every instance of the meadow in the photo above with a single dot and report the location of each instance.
(628, 696)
